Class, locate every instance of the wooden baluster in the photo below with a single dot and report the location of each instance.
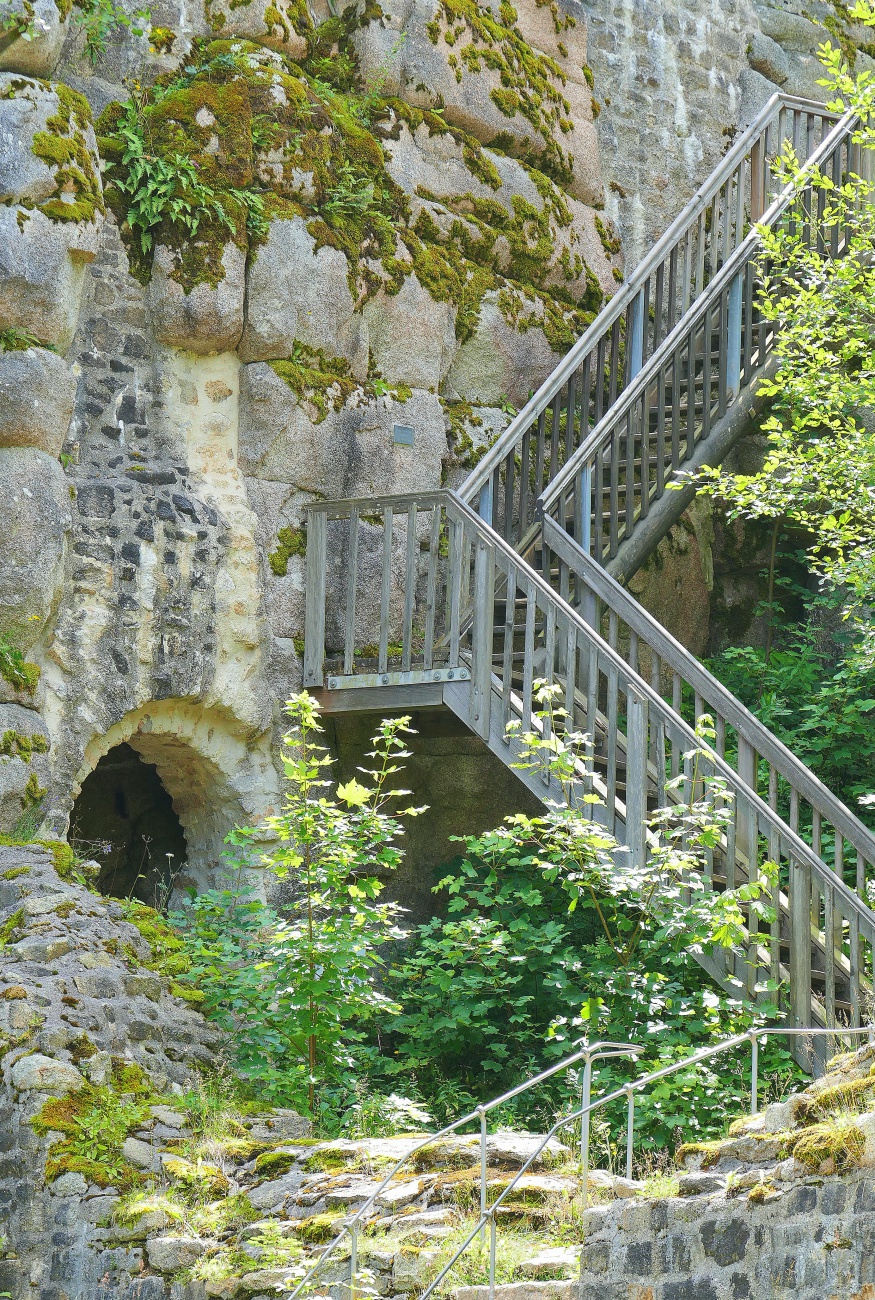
(775, 901)
(454, 590)
(508, 648)
(525, 489)
(585, 398)
(385, 590)
(676, 407)
(431, 586)
(829, 951)
(351, 582)
(615, 361)
(541, 454)
(658, 308)
(482, 635)
(854, 963)
(615, 485)
(636, 776)
(528, 657)
(800, 943)
(612, 723)
(598, 500)
(409, 590)
(314, 610)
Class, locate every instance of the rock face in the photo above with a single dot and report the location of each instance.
(348, 252)
(676, 84)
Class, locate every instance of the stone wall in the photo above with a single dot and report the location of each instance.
(169, 409)
(677, 81)
(815, 1243)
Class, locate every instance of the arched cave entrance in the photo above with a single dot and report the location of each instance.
(124, 818)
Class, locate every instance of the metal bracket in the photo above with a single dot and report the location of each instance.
(413, 677)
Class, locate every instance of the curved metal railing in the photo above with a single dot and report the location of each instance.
(589, 1054)
(487, 1218)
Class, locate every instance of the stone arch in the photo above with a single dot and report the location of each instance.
(216, 774)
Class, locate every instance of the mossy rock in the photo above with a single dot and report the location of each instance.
(319, 1228)
(252, 124)
(840, 1141)
(64, 146)
(273, 1164)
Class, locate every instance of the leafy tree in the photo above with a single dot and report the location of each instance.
(549, 937)
(819, 470)
(296, 985)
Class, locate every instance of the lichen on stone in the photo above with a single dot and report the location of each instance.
(532, 83)
(291, 541)
(78, 194)
(270, 139)
(14, 744)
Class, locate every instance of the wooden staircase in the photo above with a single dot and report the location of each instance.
(467, 599)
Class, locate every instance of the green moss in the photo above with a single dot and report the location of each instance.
(66, 864)
(94, 1123)
(251, 123)
(841, 1096)
(610, 241)
(11, 926)
(839, 1140)
(292, 541)
(82, 1049)
(318, 1228)
(532, 84)
(168, 956)
(204, 1178)
(14, 744)
(34, 793)
(710, 1151)
(275, 1163)
(64, 146)
(14, 872)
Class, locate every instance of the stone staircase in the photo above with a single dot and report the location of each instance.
(468, 598)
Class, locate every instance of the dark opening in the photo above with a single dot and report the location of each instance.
(124, 819)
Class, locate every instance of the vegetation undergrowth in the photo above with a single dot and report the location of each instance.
(544, 940)
(95, 1122)
(819, 470)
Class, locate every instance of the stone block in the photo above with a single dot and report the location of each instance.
(171, 1254)
(33, 528)
(37, 390)
(295, 292)
(43, 1074)
(769, 59)
(141, 1154)
(206, 318)
(36, 48)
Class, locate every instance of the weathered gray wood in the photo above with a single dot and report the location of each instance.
(409, 588)
(352, 550)
(385, 587)
(481, 638)
(314, 612)
(431, 586)
(636, 777)
(800, 943)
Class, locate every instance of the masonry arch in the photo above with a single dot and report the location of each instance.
(196, 771)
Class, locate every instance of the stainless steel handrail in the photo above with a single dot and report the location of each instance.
(628, 1091)
(487, 1217)
(688, 323)
(623, 299)
(588, 1054)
